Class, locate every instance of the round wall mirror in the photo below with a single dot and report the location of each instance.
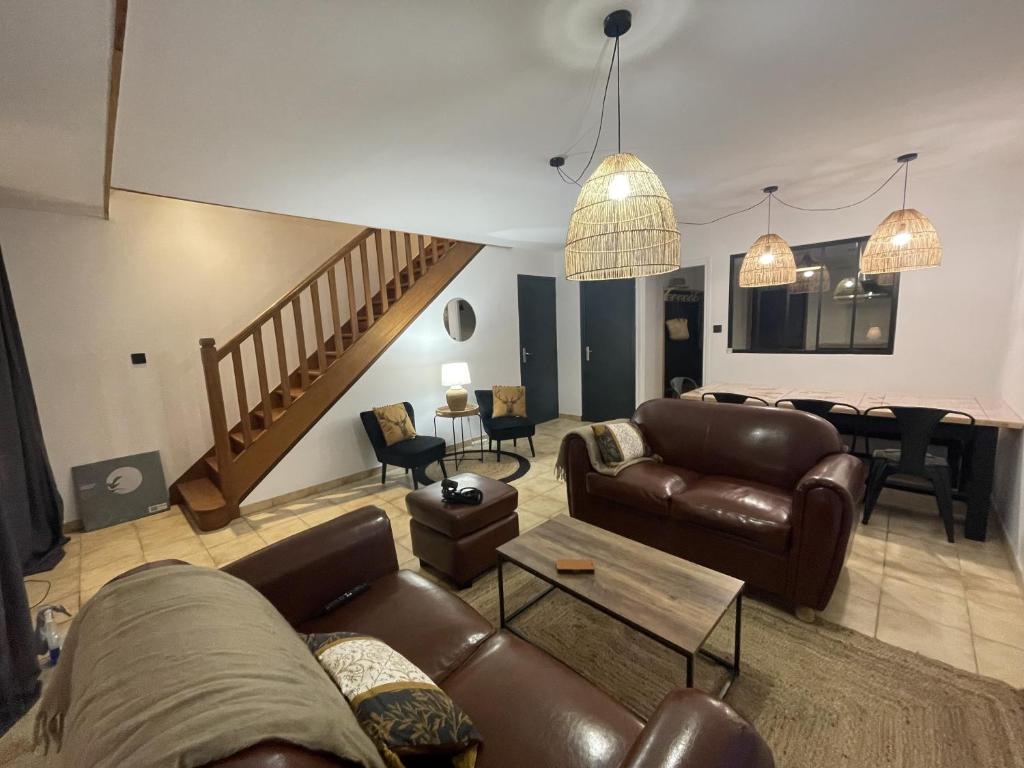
(459, 319)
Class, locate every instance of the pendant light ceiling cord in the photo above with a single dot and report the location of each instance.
(906, 175)
(882, 186)
(770, 212)
(600, 123)
(618, 95)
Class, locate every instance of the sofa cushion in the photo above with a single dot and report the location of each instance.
(532, 710)
(755, 512)
(426, 623)
(647, 486)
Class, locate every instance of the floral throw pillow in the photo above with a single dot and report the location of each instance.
(401, 709)
(394, 423)
(620, 442)
(508, 401)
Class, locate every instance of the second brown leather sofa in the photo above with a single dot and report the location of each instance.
(764, 494)
(532, 711)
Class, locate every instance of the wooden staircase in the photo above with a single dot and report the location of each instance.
(389, 278)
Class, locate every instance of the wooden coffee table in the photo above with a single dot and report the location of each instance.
(671, 600)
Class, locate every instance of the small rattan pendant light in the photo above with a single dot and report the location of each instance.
(905, 240)
(770, 259)
(623, 224)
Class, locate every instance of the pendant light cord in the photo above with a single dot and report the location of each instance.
(770, 212)
(851, 205)
(618, 94)
(906, 175)
(600, 123)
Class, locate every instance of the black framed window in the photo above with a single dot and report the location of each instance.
(830, 309)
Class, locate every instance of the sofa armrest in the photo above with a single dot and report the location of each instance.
(692, 730)
(824, 503)
(840, 472)
(577, 467)
(303, 573)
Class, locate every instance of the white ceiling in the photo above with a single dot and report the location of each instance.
(54, 78)
(440, 116)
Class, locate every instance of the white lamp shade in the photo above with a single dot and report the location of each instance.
(454, 374)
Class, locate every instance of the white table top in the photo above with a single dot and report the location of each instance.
(988, 412)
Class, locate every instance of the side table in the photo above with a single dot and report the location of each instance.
(444, 412)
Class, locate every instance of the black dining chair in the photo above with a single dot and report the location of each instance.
(504, 427)
(413, 453)
(824, 409)
(732, 398)
(917, 428)
(679, 385)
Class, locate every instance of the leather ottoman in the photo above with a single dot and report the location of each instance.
(461, 540)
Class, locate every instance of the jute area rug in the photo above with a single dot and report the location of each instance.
(821, 695)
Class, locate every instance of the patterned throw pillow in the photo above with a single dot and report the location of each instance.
(620, 442)
(509, 401)
(398, 706)
(394, 423)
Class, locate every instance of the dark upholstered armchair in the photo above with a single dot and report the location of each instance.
(409, 454)
(503, 427)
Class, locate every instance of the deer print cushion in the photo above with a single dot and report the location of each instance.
(394, 423)
(620, 442)
(509, 401)
(401, 709)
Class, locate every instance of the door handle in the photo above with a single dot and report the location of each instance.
(588, 354)
(525, 355)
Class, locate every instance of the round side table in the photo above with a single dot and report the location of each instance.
(444, 412)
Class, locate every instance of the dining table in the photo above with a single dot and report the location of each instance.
(979, 440)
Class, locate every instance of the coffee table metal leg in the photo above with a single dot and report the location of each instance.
(736, 648)
(501, 592)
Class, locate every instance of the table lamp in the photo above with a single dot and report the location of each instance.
(453, 376)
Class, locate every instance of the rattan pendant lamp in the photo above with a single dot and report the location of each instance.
(905, 240)
(623, 224)
(770, 259)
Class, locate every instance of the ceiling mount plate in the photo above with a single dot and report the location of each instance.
(907, 157)
(770, 190)
(557, 161)
(617, 23)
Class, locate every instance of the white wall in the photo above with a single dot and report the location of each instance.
(1009, 482)
(411, 370)
(163, 273)
(950, 335)
(570, 383)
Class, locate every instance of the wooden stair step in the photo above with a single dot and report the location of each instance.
(211, 462)
(205, 503)
(276, 411)
(238, 439)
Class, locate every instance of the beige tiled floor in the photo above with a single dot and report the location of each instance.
(903, 583)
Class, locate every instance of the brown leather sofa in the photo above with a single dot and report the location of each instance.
(531, 710)
(763, 494)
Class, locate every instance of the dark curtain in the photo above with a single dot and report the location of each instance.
(31, 514)
(29, 501)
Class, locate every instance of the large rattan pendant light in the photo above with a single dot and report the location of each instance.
(770, 259)
(623, 224)
(905, 240)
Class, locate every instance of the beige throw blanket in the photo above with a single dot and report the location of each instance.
(587, 433)
(181, 666)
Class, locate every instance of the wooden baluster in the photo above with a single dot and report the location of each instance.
(367, 296)
(351, 286)
(318, 326)
(422, 257)
(442, 249)
(382, 280)
(410, 267)
(282, 361)
(332, 286)
(215, 398)
(243, 405)
(393, 237)
(300, 343)
(261, 374)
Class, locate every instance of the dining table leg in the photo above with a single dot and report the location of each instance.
(982, 453)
